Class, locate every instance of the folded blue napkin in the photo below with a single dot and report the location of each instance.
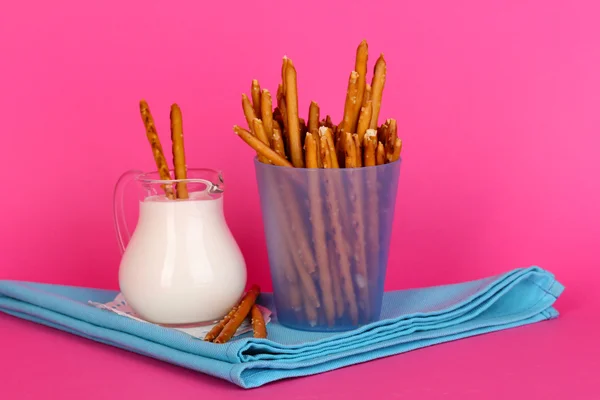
(410, 319)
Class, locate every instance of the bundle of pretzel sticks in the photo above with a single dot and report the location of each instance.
(334, 260)
(226, 328)
(180, 169)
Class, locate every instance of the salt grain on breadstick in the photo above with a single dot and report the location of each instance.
(157, 151)
(178, 151)
(261, 148)
(377, 86)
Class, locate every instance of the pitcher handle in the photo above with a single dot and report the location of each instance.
(122, 231)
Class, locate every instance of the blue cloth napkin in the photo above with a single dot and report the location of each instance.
(410, 319)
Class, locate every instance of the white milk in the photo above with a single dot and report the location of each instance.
(182, 265)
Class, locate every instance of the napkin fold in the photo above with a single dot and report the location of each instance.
(410, 319)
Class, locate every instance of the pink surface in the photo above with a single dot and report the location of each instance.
(497, 104)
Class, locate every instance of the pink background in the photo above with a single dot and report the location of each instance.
(498, 104)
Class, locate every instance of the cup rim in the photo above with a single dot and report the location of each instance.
(374, 167)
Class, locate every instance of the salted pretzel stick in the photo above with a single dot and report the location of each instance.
(383, 132)
(364, 120)
(367, 95)
(157, 151)
(301, 266)
(335, 279)
(377, 86)
(357, 145)
(380, 155)
(284, 65)
(360, 274)
(360, 66)
(318, 228)
(261, 148)
(248, 110)
(282, 106)
(351, 102)
(238, 317)
(313, 118)
(258, 322)
(391, 140)
(255, 92)
(342, 253)
(178, 151)
(397, 149)
(291, 102)
(277, 141)
(372, 205)
(259, 132)
(370, 147)
(214, 332)
(328, 134)
(266, 112)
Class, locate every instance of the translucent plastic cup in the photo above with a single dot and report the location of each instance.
(328, 237)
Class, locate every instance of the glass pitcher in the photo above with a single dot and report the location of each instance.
(181, 266)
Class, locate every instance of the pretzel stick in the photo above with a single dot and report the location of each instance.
(248, 111)
(302, 267)
(383, 132)
(313, 118)
(337, 287)
(258, 322)
(361, 278)
(380, 155)
(318, 228)
(357, 145)
(351, 102)
(266, 112)
(214, 332)
(335, 213)
(157, 151)
(370, 146)
(372, 189)
(291, 102)
(364, 119)
(178, 151)
(367, 95)
(334, 270)
(360, 66)
(259, 132)
(377, 85)
(282, 107)
(391, 140)
(328, 134)
(277, 142)
(239, 316)
(255, 92)
(397, 149)
(261, 148)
